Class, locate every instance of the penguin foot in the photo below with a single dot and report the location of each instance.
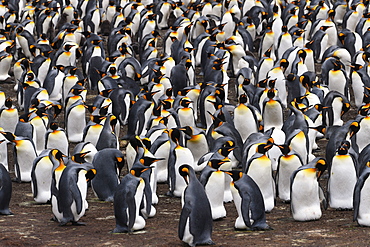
(344, 209)
(262, 228)
(17, 180)
(7, 81)
(6, 212)
(54, 219)
(75, 223)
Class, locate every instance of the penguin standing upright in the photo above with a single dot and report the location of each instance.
(8, 116)
(245, 112)
(5, 190)
(127, 200)
(108, 164)
(25, 152)
(287, 163)
(196, 141)
(342, 178)
(195, 225)
(42, 170)
(213, 181)
(305, 191)
(69, 193)
(248, 201)
(75, 121)
(178, 156)
(56, 138)
(361, 213)
(259, 168)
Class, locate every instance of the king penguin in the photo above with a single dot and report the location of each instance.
(5, 191)
(361, 213)
(69, 194)
(25, 152)
(195, 225)
(212, 178)
(248, 201)
(342, 178)
(42, 170)
(127, 200)
(259, 168)
(305, 191)
(108, 164)
(287, 163)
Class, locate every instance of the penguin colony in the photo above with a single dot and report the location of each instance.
(179, 125)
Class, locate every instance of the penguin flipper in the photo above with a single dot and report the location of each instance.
(323, 198)
(147, 191)
(34, 182)
(245, 205)
(131, 207)
(357, 194)
(76, 195)
(185, 214)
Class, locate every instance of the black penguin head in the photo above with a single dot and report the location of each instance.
(120, 162)
(320, 166)
(58, 154)
(216, 163)
(135, 142)
(262, 148)
(8, 103)
(344, 146)
(345, 108)
(148, 161)
(188, 130)
(353, 128)
(320, 128)
(284, 148)
(175, 135)
(8, 135)
(243, 98)
(54, 125)
(138, 170)
(185, 102)
(235, 175)
(80, 157)
(90, 174)
(271, 93)
(184, 171)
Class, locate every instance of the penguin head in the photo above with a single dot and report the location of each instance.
(345, 108)
(243, 98)
(353, 128)
(138, 170)
(58, 154)
(184, 171)
(235, 175)
(188, 130)
(148, 161)
(284, 148)
(8, 103)
(321, 129)
(262, 148)
(54, 125)
(216, 163)
(175, 135)
(8, 135)
(90, 174)
(320, 166)
(343, 148)
(79, 157)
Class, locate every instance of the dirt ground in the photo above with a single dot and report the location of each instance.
(31, 224)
